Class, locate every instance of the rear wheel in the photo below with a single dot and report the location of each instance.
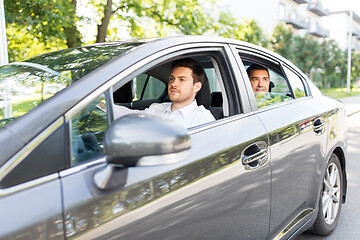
(330, 199)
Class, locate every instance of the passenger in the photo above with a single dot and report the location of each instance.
(259, 78)
(185, 81)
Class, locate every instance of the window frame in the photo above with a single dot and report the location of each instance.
(301, 79)
(268, 60)
(217, 52)
(218, 56)
(71, 133)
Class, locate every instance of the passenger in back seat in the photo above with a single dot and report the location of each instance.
(185, 81)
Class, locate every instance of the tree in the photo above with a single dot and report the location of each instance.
(45, 20)
(282, 40)
(307, 53)
(355, 65)
(330, 61)
(164, 16)
(60, 22)
(247, 30)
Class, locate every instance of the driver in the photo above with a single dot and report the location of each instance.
(185, 81)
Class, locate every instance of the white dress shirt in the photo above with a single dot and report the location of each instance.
(189, 116)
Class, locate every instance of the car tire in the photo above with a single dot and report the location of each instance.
(330, 199)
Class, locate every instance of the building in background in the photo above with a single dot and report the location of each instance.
(306, 16)
(338, 24)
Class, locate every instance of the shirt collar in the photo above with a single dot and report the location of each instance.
(185, 110)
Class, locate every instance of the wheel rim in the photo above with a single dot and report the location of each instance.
(331, 193)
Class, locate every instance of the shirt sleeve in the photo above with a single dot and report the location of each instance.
(120, 111)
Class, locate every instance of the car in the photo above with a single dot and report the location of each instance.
(270, 166)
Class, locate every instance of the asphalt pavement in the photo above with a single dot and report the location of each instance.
(352, 104)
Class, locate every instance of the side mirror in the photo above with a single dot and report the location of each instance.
(145, 140)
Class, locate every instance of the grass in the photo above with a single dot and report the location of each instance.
(340, 92)
(23, 104)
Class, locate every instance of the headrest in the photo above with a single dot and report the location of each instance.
(271, 86)
(123, 94)
(216, 99)
(203, 97)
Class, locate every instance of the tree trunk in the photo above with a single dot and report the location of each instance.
(71, 33)
(325, 81)
(102, 28)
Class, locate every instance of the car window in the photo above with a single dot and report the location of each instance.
(140, 92)
(151, 87)
(87, 131)
(278, 88)
(147, 87)
(296, 83)
(23, 87)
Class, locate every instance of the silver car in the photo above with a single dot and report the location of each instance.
(267, 168)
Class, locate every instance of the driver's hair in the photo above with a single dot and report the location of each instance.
(198, 72)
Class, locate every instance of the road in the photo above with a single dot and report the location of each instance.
(349, 222)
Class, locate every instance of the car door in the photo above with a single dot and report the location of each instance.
(221, 190)
(30, 188)
(296, 124)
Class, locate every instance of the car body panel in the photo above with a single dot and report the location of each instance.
(294, 177)
(32, 210)
(180, 200)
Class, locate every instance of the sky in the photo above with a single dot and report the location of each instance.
(338, 5)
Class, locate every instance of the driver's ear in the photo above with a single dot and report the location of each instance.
(197, 86)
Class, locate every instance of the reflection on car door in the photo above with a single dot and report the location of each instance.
(210, 195)
(295, 149)
(297, 144)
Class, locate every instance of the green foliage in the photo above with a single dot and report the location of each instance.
(282, 40)
(324, 61)
(153, 18)
(331, 60)
(340, 92)
(22, 45)
(37, 26)
(307, 53)
(247, 30)
(267, 99)
(43, 19)
(355, 65)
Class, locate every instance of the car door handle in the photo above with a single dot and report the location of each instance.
(319, 126)
(255, 155)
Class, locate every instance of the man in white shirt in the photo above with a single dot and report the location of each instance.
(185, 81)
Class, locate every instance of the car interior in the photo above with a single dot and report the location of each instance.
(151, 87)
(279, 89)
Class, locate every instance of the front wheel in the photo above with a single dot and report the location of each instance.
(330, 198)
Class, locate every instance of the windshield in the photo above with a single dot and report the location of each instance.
(25, 85)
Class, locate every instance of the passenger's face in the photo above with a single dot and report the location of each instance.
(181, 88)
(260, 81)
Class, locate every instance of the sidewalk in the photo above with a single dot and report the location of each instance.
(352, 104)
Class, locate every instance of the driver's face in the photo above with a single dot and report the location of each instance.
(181, 88)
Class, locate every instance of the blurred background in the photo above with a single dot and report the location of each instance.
(319, 36)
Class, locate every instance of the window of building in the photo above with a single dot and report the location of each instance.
(282, 11)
